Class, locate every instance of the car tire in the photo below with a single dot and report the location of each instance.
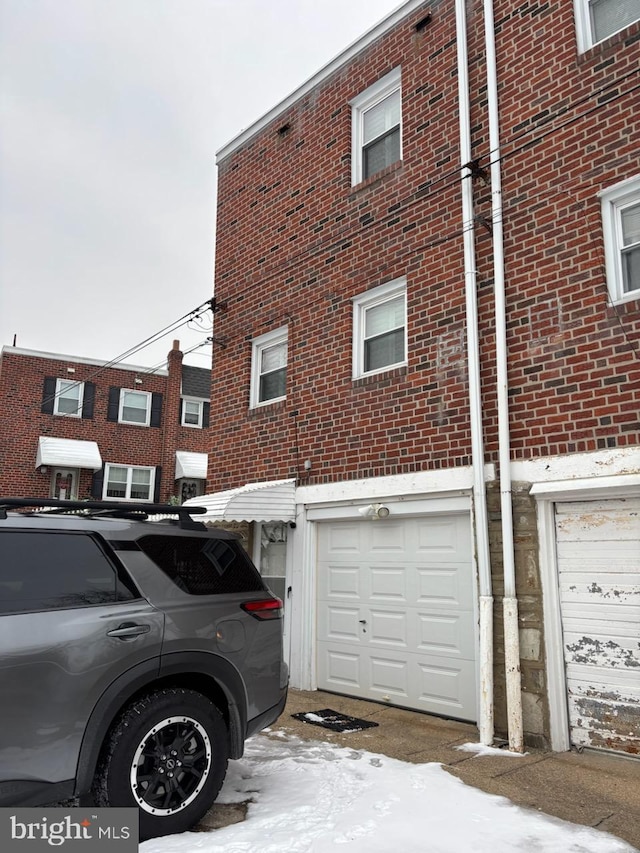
(167, 755)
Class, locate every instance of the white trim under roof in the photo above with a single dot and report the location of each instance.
(68, 453)
(268, 501)
(341, 59)
(76, 359)
(192, 465)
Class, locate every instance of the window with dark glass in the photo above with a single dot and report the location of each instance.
(53, 571)
(203, 565)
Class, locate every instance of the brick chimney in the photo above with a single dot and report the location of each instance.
(171, 420)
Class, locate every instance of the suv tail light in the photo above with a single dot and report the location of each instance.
(264, 608)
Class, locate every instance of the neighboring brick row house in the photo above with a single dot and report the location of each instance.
(419, 434)
(80, 429)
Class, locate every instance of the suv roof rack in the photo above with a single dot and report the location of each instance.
(111, 509)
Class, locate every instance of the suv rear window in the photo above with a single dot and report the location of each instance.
(203, 565)
(52, 571)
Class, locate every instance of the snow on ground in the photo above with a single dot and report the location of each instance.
(313, 797)
(481, 749)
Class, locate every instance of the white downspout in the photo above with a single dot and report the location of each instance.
(510, 603)
(485, 722)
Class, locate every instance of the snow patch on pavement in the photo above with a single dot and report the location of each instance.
(314, 797)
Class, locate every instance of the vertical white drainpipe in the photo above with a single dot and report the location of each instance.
(510, 604)
(485, 722)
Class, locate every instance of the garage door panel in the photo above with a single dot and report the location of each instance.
(597, 522)
(388, 583)
(444, 634)
(340, 623)
(611, 650)
(443, 587)
(445, 539)
(598, 549)
(340, 581)
(444, 686)
(339, 668)
(387, 627)
(604, 717)
(595, 682)
(385, 536)
(389, 677)
(342, 539)
(614, 588)
(587, 556)
(601, 626)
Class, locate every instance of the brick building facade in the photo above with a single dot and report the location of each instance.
(76, 428)
(349, 365)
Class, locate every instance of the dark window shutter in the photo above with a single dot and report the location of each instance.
(156, 488)
(97, 482)
(180, 407)
(113, 406)
(156, 409)
(206, 408)
(88, 400)
(48, 395)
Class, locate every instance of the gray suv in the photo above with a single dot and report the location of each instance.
(136, 656)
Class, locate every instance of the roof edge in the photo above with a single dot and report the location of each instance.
(78, 359)
(333, 65)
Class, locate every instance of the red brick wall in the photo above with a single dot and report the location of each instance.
(574, 361)
(22, 422)
(295, 244)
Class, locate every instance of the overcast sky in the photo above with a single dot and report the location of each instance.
(111, 112)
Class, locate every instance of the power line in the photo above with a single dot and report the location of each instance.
(172, 327)
(512, 205)
(428, 191)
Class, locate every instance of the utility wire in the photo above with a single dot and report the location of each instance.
(428, 191)
(512, 205)
(181, 321)
(153, 369)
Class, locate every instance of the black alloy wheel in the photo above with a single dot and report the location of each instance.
(167, 754)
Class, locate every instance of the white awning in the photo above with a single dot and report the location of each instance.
(192, 465)
(270, 501)
(68, 453)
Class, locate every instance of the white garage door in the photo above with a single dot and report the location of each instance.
(396, 612)
(598, 546)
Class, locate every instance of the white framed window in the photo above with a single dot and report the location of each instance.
(376, 127)
(135, 407)
(596, 20)
(68, 399)
(621, 229)
(128, 482)
(192, 413)
(269, 368)
(380, 328)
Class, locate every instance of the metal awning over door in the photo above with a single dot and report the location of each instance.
(269, 501)
(191, 465)
(68, 453)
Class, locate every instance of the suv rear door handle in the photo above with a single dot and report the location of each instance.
(128, 629)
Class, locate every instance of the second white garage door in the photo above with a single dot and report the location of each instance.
(396, 612)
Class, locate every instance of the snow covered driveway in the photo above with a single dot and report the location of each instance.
(313, 797)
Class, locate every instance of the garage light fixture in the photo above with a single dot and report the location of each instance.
(375, 511)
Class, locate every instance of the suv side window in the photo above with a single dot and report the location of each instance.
(53, 571)
(203, 565)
